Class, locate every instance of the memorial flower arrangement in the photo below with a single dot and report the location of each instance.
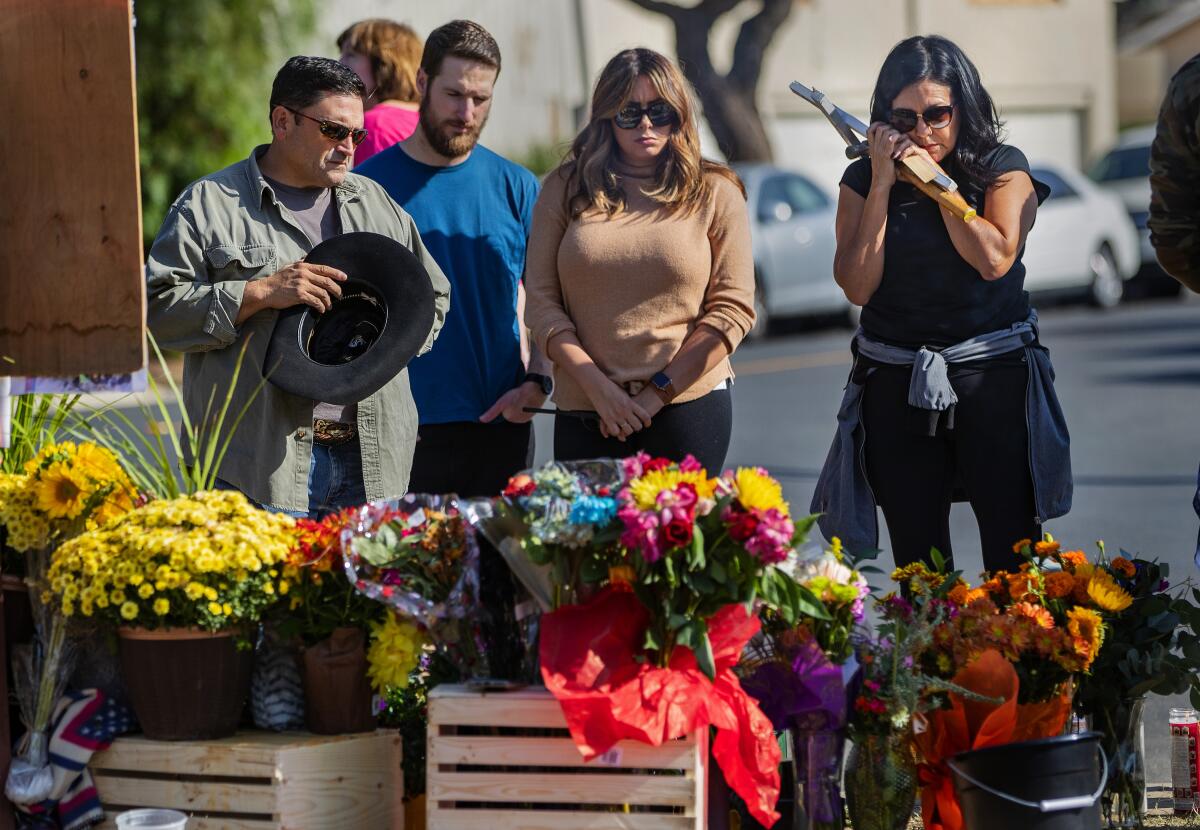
(210, 560)
(1150, 648)
(651, 656)
(64, 489)
(321, 599)
(417, 558)
(694, 544)
(1024, 637)
(556, 528)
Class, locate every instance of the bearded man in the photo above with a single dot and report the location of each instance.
(474, 209)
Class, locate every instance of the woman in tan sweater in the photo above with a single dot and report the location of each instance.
(639, 274)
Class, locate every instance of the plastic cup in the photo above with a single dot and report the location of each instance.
(152, 820)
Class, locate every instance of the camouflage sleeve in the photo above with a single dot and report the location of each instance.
(1175, 179)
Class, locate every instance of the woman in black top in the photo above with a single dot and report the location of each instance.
(926, 278)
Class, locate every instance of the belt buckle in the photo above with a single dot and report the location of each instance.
(332, 433)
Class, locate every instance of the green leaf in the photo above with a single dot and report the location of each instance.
(939, 561)
(704, 656)
(696, 559)
(809, 605)
(717, 571)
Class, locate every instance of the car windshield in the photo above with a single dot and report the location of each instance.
(1123, 163)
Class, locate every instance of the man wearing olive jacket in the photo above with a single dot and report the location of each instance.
(230, 255)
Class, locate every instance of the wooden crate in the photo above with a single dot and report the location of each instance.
(259, 780)
(505, 760)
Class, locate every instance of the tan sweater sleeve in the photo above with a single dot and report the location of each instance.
(729, 298)
(545, 312)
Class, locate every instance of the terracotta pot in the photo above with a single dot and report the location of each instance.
(337, 694)
(185, 684)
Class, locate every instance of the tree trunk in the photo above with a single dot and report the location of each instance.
(729, 100)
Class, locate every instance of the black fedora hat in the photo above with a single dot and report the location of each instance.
(368, 335)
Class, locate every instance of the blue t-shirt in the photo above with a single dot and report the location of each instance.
(474, 218)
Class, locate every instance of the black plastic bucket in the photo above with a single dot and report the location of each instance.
(1049, 784)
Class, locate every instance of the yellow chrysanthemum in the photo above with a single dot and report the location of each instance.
(394, 652)
(1106, 593)
(645, 488)
(129, 610)
(758, 491)
(61, 491)
(214, 608)
(161, 606)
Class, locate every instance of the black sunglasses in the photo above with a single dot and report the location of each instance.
(935, 118)
(332, 129)
(660, 114)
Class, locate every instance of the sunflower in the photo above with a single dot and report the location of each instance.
(1106, 593)
(98, 463)
(758, 491)
(646, 487)
(1030, 611)
(1087, 628)
(61, 492)
(1083, 577)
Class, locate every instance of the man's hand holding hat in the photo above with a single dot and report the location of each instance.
(300, 283)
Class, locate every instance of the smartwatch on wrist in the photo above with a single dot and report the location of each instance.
(663, 386)
(544, 381)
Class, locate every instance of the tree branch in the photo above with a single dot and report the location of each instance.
(660, 7)
(752, 41)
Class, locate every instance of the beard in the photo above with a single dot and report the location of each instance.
(450, 146)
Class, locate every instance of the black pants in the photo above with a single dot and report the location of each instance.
(915, 475)
(701, 427)
(471, 460)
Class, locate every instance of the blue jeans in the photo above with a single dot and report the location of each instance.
(335, 481)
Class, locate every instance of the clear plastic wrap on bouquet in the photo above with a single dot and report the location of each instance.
(545, 520)
(374, 557)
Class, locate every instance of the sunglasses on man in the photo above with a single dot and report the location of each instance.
(660, 114)
(935, 118)
(332, 129)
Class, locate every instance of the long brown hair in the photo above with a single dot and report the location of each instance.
(394, 51)
(681, 176)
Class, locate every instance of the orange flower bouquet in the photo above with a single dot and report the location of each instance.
(1022, 636)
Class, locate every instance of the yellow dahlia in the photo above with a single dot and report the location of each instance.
(1106, 593)
(758, 491)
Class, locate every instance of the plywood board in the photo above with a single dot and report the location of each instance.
(72, 292)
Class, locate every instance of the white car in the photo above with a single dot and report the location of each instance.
(1125, 172)
(791, 226)
(1083, 239)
